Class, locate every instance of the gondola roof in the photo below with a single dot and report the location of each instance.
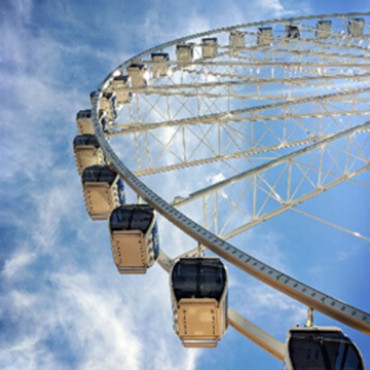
(199, 278)
(99, 174)
(85, 139)
(132, 217)
(322, 348)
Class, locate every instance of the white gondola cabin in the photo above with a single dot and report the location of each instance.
(184, 53)
(134, 238)
(87, 152)
(119, 85)
(237, 40)
(209, 47)
(321, 348)
(199, 300)
(292, 32)
(136, 73)
(103, 191)
(107, 103)
(160, 64)
(84, 122)
(264, 36)
(356, 27)
(323, 29)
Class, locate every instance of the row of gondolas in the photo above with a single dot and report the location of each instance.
(198, 285)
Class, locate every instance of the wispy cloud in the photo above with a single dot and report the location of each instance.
(18, 262)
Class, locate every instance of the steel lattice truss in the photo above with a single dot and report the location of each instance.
(266, 126)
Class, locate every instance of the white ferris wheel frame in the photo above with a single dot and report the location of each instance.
(280, 281)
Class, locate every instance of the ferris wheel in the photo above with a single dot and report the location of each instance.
(218, 132)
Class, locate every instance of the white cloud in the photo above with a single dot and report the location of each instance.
(52, 206)
(274, 6)
(196, 23)
(212, 179)
(97, 323)
(27, 354)
(23, 8)
(166, 361)
(22, 300)
(18, 263)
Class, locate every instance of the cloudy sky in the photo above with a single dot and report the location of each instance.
(63, 304)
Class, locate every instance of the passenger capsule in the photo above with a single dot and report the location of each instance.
(323, 28)
(134, 238)
(119, 85)
(184, 53)
(264, 36)
(356, 27)
(107, 103)
(237, 40)
(136, 73)
(321, 348)
(199, 300)
(292, 32)
(209, 47)
(103, 191)
(160, 64)
(87, 152)
(84, 122)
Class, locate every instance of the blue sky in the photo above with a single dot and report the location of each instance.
(63, 304)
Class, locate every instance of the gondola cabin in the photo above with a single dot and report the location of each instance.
(314, 348)
(84, 122)
(184, 53)
(292, 32)
(134, 237)
(136, 73)
(107, 103)
(237, 40)
(103, 191)
(356, 27)
(120, 86)
(323, 28)
(209, 47)
(160, 64)
(199, 300)
(87, 152)
(264, 36)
